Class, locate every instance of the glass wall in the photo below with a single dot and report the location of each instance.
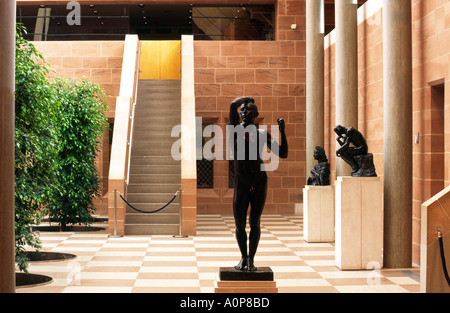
(150, 22)
(233, 22)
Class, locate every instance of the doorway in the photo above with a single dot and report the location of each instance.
(437, 138)
(160, 59)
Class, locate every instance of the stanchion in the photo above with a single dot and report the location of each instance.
(180, 235)
(441, 249)
(115, 216)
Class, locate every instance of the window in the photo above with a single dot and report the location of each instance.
(232, 22)
(231, 174)
(150, 22)
(436, 138)
(205, 166)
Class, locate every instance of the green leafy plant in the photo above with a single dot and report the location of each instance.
(80, 127)
(36, 147)
(58, 126)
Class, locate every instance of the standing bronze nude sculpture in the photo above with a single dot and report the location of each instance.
(250, 179)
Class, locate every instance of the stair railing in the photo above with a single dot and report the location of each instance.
(122, 134)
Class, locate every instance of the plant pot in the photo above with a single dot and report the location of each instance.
(68, 228)
(31, 280)
(40, 256)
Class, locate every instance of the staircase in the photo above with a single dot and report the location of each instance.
(154, 175)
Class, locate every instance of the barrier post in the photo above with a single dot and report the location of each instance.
(115, 215)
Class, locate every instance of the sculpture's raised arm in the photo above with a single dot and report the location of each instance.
(234, 105)
(283, 147)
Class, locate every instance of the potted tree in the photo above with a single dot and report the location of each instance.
(80, 128)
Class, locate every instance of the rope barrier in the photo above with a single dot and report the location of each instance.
(131, 206)
(441, 247)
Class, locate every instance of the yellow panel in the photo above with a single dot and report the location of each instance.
(150, 61)
(160, 60)
(170, 59)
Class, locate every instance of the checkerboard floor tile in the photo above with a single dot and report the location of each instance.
(165, 264)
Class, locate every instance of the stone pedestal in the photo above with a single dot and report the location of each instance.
(359, 223)
(234, 281)
(318, 214)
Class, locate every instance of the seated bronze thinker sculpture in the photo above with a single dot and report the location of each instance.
(353, 150)
(250, 179)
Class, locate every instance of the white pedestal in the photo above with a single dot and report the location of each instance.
(359, 223)
(318, 214)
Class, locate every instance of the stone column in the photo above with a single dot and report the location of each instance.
(397, 71)
(314, 79)
(346, 71)
(7, 53)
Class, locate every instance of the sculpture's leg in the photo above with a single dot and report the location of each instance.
(350, 157)
(240, 207)
(350, 161)
(257, 201)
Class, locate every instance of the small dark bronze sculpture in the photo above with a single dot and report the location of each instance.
(320, 174)
(250, 179)
(353, 150)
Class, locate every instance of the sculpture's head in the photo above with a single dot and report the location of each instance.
(339, 130)
(248, 111)
(319, 154)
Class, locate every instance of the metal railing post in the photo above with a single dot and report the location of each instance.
(115, 215)
(115, 212)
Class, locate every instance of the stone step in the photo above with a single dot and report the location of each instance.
(159, 119)
(155, 169)
(144, 150)
(152, 207)
(152, 218)
(157, 108)
(159, 82)
(146, 86)
(154, 98)
(164, 128)
(153, 160)
(153, 188)
(148, 112)
(140, 135)
(152, 229)
(164, 92)
(157, 105)
(153, 140)
(151, 198)
(148, 100)
(152, 148)
(154, 178)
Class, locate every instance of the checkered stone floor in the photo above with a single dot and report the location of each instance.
(164, 264)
